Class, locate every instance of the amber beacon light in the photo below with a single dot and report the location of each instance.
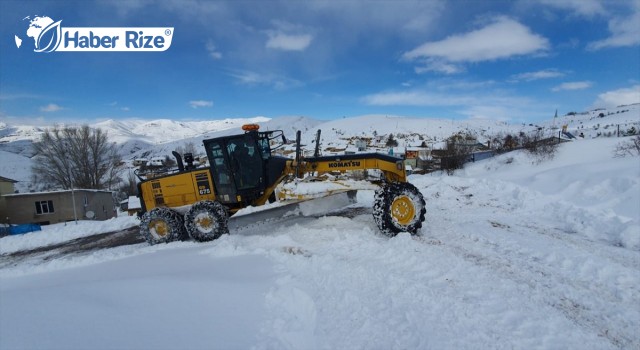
(251, 127)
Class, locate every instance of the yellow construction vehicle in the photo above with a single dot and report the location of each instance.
(244, 171)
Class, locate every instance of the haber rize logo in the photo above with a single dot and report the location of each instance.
(49, 36)
(42, 27)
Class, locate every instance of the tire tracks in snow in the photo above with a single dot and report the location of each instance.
(489, 237)
(547, 287)
(621, 256)
(77, 247)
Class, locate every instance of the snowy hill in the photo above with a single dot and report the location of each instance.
(164, 130)
(599, 122)
(513, 254)
(16, 167)
(158, 138)
(10, 133)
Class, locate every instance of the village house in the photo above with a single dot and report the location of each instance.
(133, 205)
(361, 144)
(46, 208)
(156, 162)
(140, 162)
(7, 186)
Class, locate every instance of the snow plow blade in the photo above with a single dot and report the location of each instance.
(311, 207)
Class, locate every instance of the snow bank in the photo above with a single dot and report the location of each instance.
(584, 189)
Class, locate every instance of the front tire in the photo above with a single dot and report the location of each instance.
(161, 225)
(398, 207)
(206, 221)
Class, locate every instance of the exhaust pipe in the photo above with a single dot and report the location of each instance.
(178, 160)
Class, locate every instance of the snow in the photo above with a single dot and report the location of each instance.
(16, 167)
(515, 253)
(58, 233)
(133, 203)
(578, 190)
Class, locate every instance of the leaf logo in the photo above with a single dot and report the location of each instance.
(50, 38)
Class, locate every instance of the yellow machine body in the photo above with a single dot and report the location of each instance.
(177, 190)
(393, 171)
(223, 180)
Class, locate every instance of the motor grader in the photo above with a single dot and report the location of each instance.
(244, 171)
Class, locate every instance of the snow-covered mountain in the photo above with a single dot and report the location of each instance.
(155, 132)
(165, 130)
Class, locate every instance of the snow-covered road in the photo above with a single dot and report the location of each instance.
(502, 262)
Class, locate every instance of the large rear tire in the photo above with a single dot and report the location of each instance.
(398, 207)
(206, 221)
(161, 225)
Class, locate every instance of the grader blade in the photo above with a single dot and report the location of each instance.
(307, 208)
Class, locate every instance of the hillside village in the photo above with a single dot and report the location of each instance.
(151, 143)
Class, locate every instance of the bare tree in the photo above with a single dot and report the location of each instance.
(457, 153)
(630, 147)
(504, 142)
(541, 147)
(188, 147)
(130, 184)
(169, 162)
(391, 142)
(79, 157)
(510, 142)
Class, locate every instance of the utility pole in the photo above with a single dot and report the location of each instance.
(73, 195)
(73, 199)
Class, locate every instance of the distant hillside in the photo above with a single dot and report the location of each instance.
(599, 122)
(144, 138)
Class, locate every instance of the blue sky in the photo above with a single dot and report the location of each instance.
(516, 61)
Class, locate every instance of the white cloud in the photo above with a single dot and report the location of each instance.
(51, 107)
(114, 104)
(412, 98)
(494, 105)
(31, 120)
(440, 66)
(448, 84)
(426, 98)
(499, 113)
(587, 8)
(623, 19)
(501, 39)
(287, 36)
(624, 32)
(212, 50)
(4, 96)
(266, 79)
(542, 74)
(575, 85)
(200, 103)
(624, 96)
(288, 42)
